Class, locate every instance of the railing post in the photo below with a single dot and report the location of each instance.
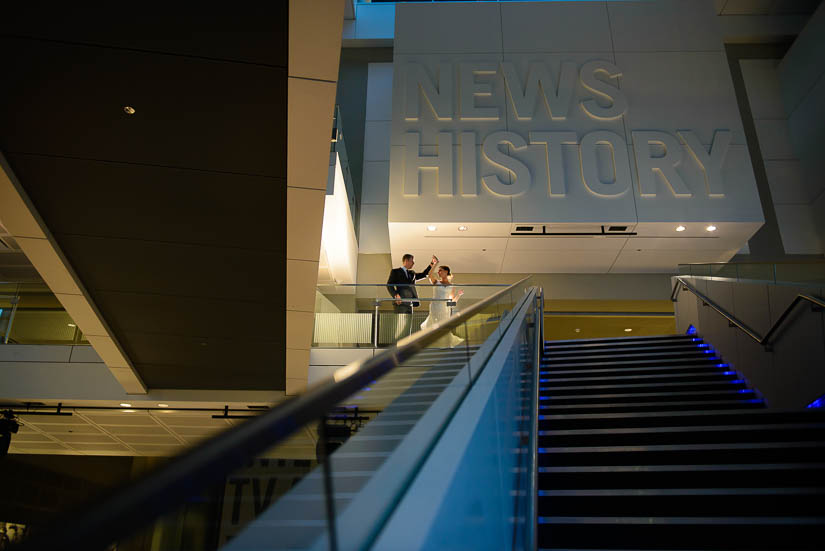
(14, 301)
(375, 324)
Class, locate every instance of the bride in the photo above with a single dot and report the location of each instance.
(439, 311)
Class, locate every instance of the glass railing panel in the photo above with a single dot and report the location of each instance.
(810, 273)
(330, 476)
(31, 314)
(365, 316)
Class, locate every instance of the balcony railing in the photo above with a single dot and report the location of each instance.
(31, 314)
(363, 315)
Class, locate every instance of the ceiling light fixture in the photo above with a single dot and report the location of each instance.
(129, 110)
(71, 325)
(680, 228)
(628, 330)
(463, 228)
(431, 228)
(127, 410)
(577, 330)
(711, 228)
(163, 405)
(125, 405)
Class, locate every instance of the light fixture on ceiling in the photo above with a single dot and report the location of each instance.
(431, 228)
(163, 405)
(628, 330)
(128, 109)
(463, 228)
(680, 228)
(128, 410)
(125, 405)
(71, 325)
(577, 330)
(711, 228)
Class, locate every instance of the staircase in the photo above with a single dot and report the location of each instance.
(656, 443)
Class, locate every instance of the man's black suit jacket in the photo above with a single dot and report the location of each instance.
(400, 282)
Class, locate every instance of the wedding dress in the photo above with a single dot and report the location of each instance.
(439, 311)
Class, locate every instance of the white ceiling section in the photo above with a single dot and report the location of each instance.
(650, 138)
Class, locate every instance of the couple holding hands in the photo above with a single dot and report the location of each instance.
(401, 285)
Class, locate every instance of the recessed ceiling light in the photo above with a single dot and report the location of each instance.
(128, 109)
(125, 405)
(463, 228)
(680, 228)
(628, 330)
(431, 228)
(577, 330)
(163, 405)
(711, 228)
(127, 410)
(71, 325)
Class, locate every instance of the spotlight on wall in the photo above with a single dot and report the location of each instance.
(463, 228)
(711, 228)
(680, 228)
(128, 109)
(628, 330)
(431, 228)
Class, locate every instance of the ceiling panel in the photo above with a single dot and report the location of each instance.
(150, 203)
(252, 36)
(562, 262)
(68, 100)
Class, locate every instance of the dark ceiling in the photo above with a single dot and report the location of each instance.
(173, 217)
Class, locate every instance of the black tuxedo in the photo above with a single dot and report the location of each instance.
(401, 283)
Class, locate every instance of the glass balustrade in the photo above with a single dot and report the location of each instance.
(805, 273)
(31, 314)
(366, 316)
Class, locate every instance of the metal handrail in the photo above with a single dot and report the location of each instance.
(149, 497)
(762, 340)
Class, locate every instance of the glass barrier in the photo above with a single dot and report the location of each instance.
(31, 314)
(366, 316)
(339, 475)
(811, 273)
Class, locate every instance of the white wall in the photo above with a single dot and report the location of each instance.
(791, 192)
(802, 85)
(373, 236)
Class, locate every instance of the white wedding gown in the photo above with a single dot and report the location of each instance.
(439, 311)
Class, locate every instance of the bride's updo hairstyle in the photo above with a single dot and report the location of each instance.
(449, 274)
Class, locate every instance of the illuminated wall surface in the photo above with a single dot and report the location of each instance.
(566, 118)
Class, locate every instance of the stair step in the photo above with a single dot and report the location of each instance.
(679, 418)
(704, 359)
(650, 378)
(674, 454)
(631, 397)
(678, 501)
(662, 407)
(631, 371)
(686, 476)
(755, 533)
(643, 388)
(688, 346)
(618, 340)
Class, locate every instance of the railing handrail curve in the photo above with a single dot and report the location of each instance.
(762, 340)
(149, 497)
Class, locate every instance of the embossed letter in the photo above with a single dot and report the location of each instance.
(516, 168)
(711, 163)
(442, 163)
(605, 91)
(470, 90)
(439, 99)
(556, 99)
(553, 160)
(663, 165)
(621, 178)
(467, 150)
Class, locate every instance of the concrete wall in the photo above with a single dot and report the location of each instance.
(792, 373)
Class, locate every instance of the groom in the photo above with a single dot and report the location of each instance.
(401, 283)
